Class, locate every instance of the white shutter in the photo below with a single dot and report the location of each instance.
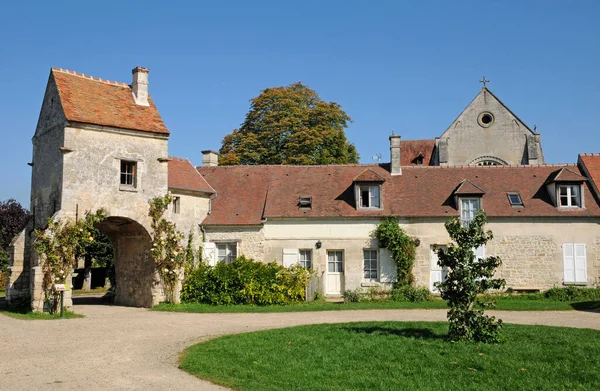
(437, 273)
(580, 264)
(290, 256)
(209, 253)
(569, 261)
(480, 252)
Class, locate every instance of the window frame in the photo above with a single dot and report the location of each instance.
(336, 263)
(124, 174)
(227, 258)
(510, 201)
(368, 187)
(578, 279)
(465, 223)
(370, 268)
(305, 263)
(176, 205)
(569, 196)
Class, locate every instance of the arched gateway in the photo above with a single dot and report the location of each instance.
(134, 268)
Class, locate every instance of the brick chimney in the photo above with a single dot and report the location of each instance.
(210, 158)
(395, 168)
(140, 85)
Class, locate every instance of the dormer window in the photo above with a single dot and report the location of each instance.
(468, 209)
(369, 196)
(367, 189)
(569, 196)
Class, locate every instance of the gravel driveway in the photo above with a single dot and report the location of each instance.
(120, 348)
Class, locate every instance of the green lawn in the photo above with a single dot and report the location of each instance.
(2, 293)
(398, 356)
(508, 303)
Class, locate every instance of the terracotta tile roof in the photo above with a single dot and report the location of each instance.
(95, 101)
(368, 175)
(247, 194)
(468, 187)
(590, 163)
(183, 176)
(411, 149)
(566, 175)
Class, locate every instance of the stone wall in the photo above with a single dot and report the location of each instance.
(527, 261)
(505, 138)
(251, 241)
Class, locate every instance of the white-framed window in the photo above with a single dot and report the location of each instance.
(177, 205)
(574, 261)
(369, 196)
(226, 252)
(468, 210)
(335, 261)
(128, 173)
(370, 265)
(306, 258)
(569, 196)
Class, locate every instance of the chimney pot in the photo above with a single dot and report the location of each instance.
(210, 158)
(139, 86)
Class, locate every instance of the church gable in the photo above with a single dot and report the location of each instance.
(487, 132)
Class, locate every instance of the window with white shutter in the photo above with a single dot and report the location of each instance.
(290, 256)
(574, 263)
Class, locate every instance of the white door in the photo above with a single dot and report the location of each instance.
(437, 273)
(335, 272)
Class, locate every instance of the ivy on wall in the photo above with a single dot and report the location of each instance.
(402, 247)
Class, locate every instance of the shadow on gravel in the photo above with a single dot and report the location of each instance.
(92, 300)
(587, 306)
(416, 333)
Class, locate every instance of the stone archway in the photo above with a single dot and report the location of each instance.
(134, 268)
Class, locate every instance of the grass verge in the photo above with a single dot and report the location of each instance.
(94, 291)
(2, 293)
(506, 303)
(398, 356)
(26, 314)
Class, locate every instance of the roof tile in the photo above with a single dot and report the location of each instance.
(89, 100)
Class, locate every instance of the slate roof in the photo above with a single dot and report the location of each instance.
(183, 176)
(248, 194)
(410, 149)
(95, 101)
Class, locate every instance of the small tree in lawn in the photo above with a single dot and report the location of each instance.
(467, 278)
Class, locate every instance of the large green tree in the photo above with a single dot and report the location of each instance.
(290, 125)
(13, 218)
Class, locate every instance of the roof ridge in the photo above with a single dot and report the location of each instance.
(590, 154)
(87, 77)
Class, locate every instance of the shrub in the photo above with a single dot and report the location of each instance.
(410, 293)
(573, 293)
(245, 281)
(351, 296)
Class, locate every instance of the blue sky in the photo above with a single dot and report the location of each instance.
(410, 67)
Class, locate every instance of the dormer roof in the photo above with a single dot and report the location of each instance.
(368, 175)
(565, 175)
(466, 187)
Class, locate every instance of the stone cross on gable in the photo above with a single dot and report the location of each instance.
(484, 80)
